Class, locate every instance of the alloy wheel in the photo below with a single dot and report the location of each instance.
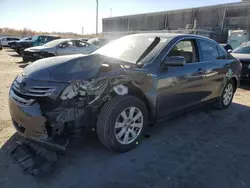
(128, 125)
(228, 94)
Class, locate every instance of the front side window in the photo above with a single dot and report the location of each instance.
(208, 51)
(242, 50)
(185, 49)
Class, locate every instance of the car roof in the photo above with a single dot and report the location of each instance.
(173, 35)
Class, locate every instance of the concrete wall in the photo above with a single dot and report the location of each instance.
(237, 15)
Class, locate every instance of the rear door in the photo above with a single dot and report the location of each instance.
(181, 87)
(217, 66)
(67, 48)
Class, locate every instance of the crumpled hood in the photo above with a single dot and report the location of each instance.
(67, 68)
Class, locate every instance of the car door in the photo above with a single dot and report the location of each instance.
(66, 48)
(181, 87)
(83, 47)
(217, 66)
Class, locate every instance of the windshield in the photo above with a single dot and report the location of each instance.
(54, 42)
(243, 49)
(131, 48)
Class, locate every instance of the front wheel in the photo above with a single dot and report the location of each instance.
(226, 96)
(121, 123)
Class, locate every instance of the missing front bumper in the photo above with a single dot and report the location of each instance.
(30, 123)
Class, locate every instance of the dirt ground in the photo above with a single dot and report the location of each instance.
(204, 148)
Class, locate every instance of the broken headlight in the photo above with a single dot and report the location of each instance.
(83, 88)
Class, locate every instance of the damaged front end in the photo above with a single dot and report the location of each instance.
(50, 110)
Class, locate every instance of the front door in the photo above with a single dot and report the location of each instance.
(181, 87)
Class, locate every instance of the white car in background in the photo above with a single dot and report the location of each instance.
(5, 40)
(57, 48)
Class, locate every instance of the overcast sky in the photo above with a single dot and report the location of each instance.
(72, 15)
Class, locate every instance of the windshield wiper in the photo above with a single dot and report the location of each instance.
(149, 49)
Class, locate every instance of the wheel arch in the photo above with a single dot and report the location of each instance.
(236, 82)
(137, 92)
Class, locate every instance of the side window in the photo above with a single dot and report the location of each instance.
(186, 49)
(45, 40)
(66, 44)
(81, 44)
(222, 53)
(209, 51)
(50, 39)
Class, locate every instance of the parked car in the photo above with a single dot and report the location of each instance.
(36, 41)
(242, 53)
(13, 43)
(5, 40)
(122, 87)
(237, 37)
(99, 42)
(58, 47)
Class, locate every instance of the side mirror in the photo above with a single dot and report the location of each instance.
(174, 61)
(230, 51)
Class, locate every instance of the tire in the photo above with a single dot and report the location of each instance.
(221, 103)
(21, 50)
(109, 116)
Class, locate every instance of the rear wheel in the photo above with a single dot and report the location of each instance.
(226, 96)
(121, 123)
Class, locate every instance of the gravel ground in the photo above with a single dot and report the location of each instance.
(204, 148)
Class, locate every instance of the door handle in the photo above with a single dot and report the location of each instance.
(227, 65)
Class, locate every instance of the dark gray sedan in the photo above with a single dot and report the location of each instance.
(121, 88)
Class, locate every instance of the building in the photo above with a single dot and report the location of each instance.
(218, 18)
